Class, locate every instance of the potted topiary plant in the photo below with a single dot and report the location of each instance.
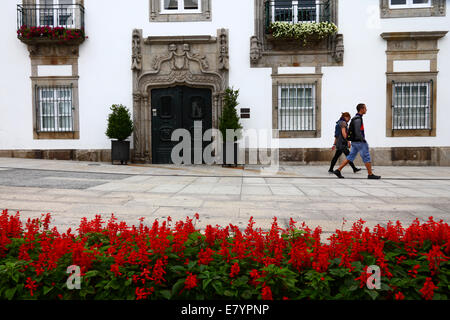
(230, 120)
(120, 127)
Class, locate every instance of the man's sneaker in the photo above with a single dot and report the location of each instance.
(338, 174)
(330, 171)
(372, 176)
(356, 170)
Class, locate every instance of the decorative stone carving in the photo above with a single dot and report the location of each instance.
(52, 50)
(338, 48)
(255, 50)
(137, 54)
(442, 7)
(179, 61)
(223, 55)
(197, 61)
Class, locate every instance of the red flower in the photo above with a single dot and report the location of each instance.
(235, 269)
(190, 282)
(428, 289)
(399, 296)
(266, 293)
(158, 272)
(143, 293)
(204, 256)
(435, 257)
(413, 272)
(31, 285)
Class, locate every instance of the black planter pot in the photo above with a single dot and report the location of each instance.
(234, 160)
(120, 151)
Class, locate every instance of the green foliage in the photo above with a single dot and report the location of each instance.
(230, 118)
(120, 125)
(302, 31)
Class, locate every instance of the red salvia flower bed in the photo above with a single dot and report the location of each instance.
(176, 261)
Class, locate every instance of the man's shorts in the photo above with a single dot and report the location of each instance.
(362, 148)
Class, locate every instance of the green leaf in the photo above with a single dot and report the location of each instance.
(228, 293)
(177, 287)
(9, 293)
(178, 269)
(206, 282)
(166, 294)
(47, 290)
(91, 273)
(15, 277)
(114, 284)
(372, 293)
(247, 294)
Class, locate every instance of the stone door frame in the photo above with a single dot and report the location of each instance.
(162, 62)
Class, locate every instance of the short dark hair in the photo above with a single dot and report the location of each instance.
(346, 114)
(360, 106)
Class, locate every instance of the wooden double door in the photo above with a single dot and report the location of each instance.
(175, 108)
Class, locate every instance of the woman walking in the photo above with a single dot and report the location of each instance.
(341, 144)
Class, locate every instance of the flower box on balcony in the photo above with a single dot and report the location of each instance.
(307, 34)
(48, 34)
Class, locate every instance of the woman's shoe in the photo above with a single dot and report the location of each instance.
(356, 170)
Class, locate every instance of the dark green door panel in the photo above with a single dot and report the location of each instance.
(174, 108)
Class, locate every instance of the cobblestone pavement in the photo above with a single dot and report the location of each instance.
(72, 190)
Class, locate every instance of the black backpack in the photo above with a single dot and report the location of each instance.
(351, 130)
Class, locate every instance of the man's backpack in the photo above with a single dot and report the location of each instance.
(351, 130)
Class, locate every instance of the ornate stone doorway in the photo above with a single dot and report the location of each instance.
(165, 62)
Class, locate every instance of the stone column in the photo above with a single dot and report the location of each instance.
(138, 155)
(146, 127)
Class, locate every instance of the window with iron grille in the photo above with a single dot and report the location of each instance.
(298, 11)
(412, 105)
(297, 107)
(54, 109)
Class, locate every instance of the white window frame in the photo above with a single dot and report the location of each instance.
(427, 113)
(295, 8)
(55, 115)
(298, 124)
(410, 5)
(181, 9)
(55, 16)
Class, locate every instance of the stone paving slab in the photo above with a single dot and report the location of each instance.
(73, 190)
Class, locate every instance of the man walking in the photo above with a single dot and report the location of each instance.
(359, 143)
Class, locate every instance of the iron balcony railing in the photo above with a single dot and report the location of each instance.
(69, 16)
(297, 11)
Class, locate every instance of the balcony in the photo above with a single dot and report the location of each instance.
(301, 11)
(50, 23)
(289, 15)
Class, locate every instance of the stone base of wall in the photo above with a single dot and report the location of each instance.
(404, 156)
(78, 155)
(418, 156)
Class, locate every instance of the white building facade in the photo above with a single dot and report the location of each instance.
(170, 61)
